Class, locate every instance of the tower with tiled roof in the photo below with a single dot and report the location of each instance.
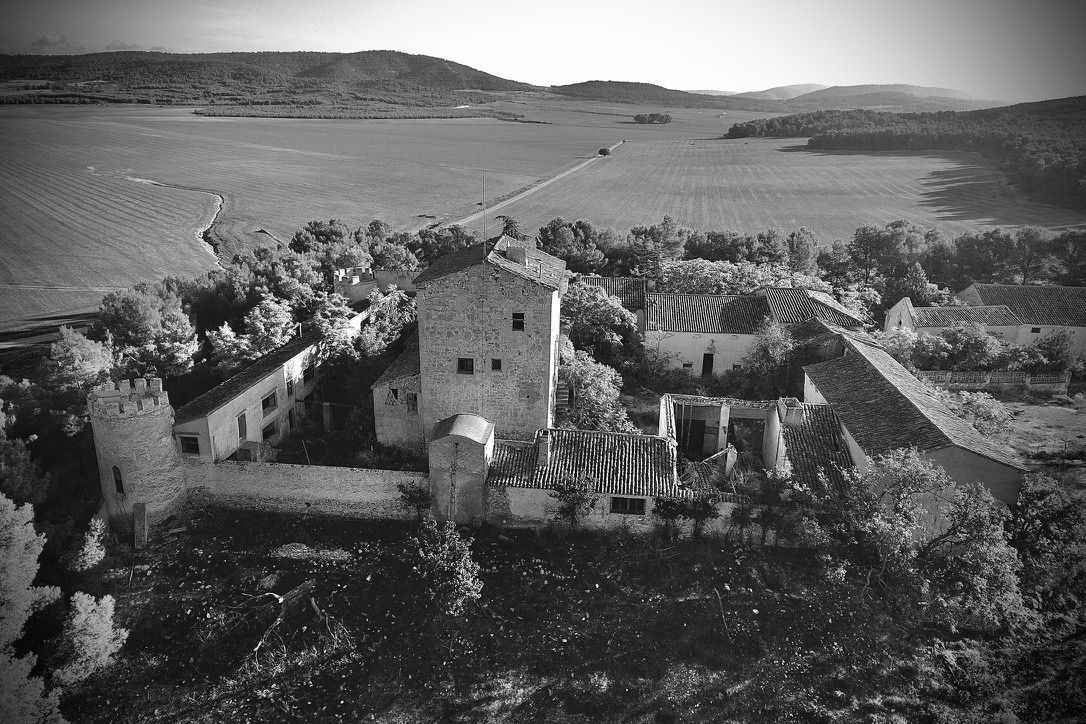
(488, 337)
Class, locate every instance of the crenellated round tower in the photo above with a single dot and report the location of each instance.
(138, 461)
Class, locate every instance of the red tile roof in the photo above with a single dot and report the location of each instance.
(540, 267)
(885, 407)
(816, 445)
(631, 291)
(790, 305)
(704, 313)
(620, 464)
(998, 315)
(1050, 305)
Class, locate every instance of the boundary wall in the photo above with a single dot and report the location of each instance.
(997, 380)
(286, 488)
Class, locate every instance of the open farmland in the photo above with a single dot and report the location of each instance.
(748, 185)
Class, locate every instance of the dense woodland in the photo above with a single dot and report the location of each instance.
(913, 634)
(1040, 146)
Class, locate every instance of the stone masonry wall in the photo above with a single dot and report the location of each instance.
(469, 314)
(348, 492)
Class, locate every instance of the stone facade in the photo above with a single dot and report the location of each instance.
(132, 422)
(467, 321)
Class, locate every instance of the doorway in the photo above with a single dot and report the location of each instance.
(707, 364)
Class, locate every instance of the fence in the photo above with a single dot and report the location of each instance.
(998, 379)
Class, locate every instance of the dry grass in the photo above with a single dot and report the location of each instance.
(749, 185)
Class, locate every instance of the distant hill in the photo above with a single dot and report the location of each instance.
(369, 84)
(711, 92)
(902, 98)
(615, 91)
(782, 92)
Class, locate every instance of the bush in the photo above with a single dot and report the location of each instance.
(443, 567)
(576, 498)
(93, 549)
(605, 152)
(89, 640)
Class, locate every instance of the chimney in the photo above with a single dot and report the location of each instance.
(517, 254)
(543, 448)
(791, 411)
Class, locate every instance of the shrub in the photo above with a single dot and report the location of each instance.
(605, 152)
(576, 498)
(93, 549)
(443, 567)
(414, 497)
(979, 409)
(89, 639)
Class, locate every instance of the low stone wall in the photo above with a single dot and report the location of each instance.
(997, 380)
(349, 492)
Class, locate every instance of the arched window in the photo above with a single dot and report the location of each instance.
(117, 484)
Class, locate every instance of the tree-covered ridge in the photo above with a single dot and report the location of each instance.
(1040, 146)
(266, 79)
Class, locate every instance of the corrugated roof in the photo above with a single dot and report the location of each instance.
(816, 445)
(406, 365)
(631, 291)
(539, 267)
(621, 464)
(885, 407)
(790, 305)
(1051, 305)
(704, 313)
(229, 389)
(998, 315)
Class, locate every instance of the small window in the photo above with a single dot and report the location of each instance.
(268, 403)
(412, 402)
(117, 484)
(465, 366)
(242, 427)
(518, 321)
(495, 365)
(269, 430)
(1035, 330)
(628, 506)
(190, 444)
(307, 374)
(290, 388)
(688, 365)
(392, 397)
(737, 367)
(290, 418)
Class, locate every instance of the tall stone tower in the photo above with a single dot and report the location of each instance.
(137, 459)
(488, 337)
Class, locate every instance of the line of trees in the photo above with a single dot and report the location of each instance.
(652, 118)
(1040, 146)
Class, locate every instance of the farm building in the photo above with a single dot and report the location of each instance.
(708, 334)
(631, 291)
(1040, 310)
(882, 407)
(997, 319)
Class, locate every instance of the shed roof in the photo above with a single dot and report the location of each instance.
(407, 364)
(793, 305)
(1032, 304)
(704, 313)
(631, 291)
(998, 315)
(620, 464)
(816, 445)
(231, 388)
(885, 407)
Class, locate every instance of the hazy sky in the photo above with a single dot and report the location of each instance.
(998, 49)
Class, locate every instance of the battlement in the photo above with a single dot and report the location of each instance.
(128, 398)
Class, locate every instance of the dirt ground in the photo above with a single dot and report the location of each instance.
(1054, 425)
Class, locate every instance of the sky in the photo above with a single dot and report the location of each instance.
(1012, 50)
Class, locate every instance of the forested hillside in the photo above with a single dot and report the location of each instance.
(369, 79)
(1040, 146)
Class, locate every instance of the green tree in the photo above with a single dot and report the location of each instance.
(577, 243)
(594, 388)
(415, 497)
(269, 325)
(76, 363)
(699, 509)
(668, 509)
(21, 478)
(93, 550)
(151, 333)
(576, 497)
(767, 359)
(317, 234)
(1047, 526)
(1031, 253)
(511, 228)
(390, 314)
(597, 322)
(89, 640)
(801, 251)
(440, 562)
(23, 698)
(1069, 250)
